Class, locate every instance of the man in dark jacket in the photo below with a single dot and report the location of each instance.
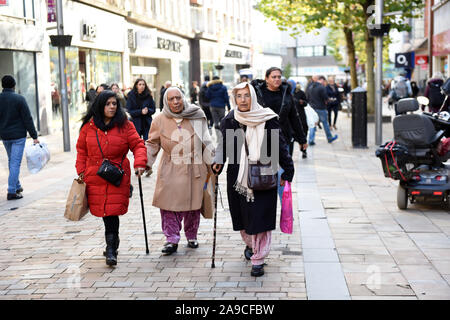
(318, 98)
(217, 94)
(15, 121)
(274, 94)
(204, 102)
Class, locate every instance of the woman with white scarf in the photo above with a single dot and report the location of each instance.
(182, 132)
(253, 213)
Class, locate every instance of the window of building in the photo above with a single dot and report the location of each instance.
(22, 66)
(19, 8)
(311, 51)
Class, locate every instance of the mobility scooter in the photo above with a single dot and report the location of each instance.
(417, 155)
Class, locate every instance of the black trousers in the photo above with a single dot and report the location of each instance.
(111, 224)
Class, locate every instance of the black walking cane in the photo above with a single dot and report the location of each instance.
(143, 214)
(215, 221)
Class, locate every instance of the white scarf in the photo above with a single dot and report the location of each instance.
(255, 120)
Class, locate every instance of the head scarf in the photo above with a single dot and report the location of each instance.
(197, 118)
(190, 111)
(255, 120)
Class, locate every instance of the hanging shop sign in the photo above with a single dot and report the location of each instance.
(404, 60)
(421, 60)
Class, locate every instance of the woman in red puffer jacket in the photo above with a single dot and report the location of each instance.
(116, 135)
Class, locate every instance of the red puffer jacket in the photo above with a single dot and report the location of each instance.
(105, 199)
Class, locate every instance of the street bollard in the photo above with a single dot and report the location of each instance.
(359, 118)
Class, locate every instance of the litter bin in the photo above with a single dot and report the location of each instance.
(359, 118)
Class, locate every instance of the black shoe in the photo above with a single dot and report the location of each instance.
(169, 248)
(131, 190)
(304, 154)
(111, 257)
(20, 190)
(257, 271)
(14, 196)
(193, 244)
(248, 252)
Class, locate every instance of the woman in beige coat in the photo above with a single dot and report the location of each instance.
(182, 132)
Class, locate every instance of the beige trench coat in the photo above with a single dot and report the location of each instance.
(180, 180)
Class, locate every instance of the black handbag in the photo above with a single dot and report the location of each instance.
(260, 176)
(108, 170)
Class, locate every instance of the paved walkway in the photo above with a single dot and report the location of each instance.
(350, 241)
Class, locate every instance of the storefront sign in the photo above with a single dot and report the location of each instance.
(144, 70)
(404, 60)
(170, 45)
(146, 39)
(233, 54)
(51, 10)
(421, 60)
(441, 43)
(88, 31)
(4, 3)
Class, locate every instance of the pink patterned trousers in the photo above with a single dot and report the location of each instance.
(260, 244)
(171, 224)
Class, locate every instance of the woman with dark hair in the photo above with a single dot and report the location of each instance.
(106, 133)
(141, 106)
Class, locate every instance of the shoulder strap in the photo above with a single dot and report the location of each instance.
(98, 142)
(103, 156)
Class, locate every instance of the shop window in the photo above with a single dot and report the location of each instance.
(21, 65)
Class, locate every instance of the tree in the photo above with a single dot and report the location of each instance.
(351, 16)
(287, 71)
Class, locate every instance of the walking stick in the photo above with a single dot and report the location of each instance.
(215, 222)
(143, 214)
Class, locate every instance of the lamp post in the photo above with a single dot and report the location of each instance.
(62, 41)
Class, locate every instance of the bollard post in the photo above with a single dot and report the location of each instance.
(359, 118)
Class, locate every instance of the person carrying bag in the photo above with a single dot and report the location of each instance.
(107, 134)
(252, 196)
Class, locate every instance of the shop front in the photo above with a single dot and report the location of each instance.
(441, 38)
(94, 57)
(157, 57)
(231, 58)
(21, 45)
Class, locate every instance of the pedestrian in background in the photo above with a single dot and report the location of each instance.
(182, 133)
(15, 121)
(253, 213)
(101, 88)
(205, 103)
(90, 95)
(141, 107)
(217, 94)
(433, 92)
(300, 103)
(106, 133)
(116, 89)
(166, 85)
(195, 90)
(318, 98)
(334, 102)
(275, 94)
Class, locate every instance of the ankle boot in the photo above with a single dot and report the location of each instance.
(116, 247)
(110, 252)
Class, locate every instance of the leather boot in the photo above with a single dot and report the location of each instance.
(116, 247)
(110, 253)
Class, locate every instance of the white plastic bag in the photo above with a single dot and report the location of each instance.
(311, 116)
(37, 156)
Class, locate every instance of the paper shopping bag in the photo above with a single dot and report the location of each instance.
(77, 204)
(207, 209)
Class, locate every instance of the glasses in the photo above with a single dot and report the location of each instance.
(243, 97)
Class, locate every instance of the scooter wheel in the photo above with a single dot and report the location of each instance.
(402, 197)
